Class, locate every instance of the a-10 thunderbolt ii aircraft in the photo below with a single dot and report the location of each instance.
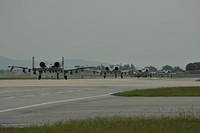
(145, 72)
(167, 73)
(57, 67)
(115, 69)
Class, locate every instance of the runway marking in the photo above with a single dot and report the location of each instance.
(29, 96)
(54, 102)
(59, 92)
(22, 90)
(44, 94)
(6, 98)
(68, 91)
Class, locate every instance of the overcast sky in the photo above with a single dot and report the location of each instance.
(142, 32)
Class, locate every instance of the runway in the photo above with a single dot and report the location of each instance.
(28, 102)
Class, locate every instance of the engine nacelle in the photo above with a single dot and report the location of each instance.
(56, 64)
(146, 70)
(42, 64)
(116, 68)
(112, 69)
(107, 69)
(168, 71)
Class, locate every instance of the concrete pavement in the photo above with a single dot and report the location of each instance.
(27, 102)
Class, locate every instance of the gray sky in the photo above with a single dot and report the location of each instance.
(142, 32)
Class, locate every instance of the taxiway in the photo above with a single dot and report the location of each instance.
(27, 102)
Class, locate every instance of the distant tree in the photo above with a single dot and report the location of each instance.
(126, 67)
(193, 66)
(1, 72)
(197, 65)
(100, 67)
(167, 67)
(133, 67)
(152, 69)
(178, 69)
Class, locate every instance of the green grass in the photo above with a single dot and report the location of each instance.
(163, 92)
(179, 124)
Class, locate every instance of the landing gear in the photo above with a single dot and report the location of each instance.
(115, 75)
(40, 75)
(104, 75)
(34, 72)
(122, 76)
(65, 76)
(57, 75)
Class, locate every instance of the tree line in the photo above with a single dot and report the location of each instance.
(193, 66)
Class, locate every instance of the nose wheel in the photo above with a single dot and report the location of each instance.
(104, 75)
(40, 75)
(65, 76)
(57, 75)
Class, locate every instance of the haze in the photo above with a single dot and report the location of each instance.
(142, 32)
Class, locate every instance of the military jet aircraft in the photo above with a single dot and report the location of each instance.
(115, 69)
(57, 67)
(145, 72)
(168, 73)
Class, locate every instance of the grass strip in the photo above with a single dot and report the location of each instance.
(179, 124)
(193, 91)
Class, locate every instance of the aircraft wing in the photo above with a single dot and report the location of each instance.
(99, 71)
(85, 67)
(21, 67)
(17, 67)
(77, 68)
(125, 71)
(70, 69)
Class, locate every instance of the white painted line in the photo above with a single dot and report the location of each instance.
(7, 98)
(22, 90)
(59, 92)
(68, 91)
(54, 102)
(44, 94)
(28, 96)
